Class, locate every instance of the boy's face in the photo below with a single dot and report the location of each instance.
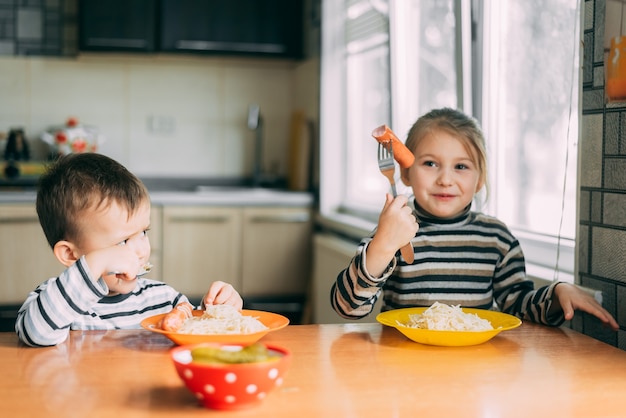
(444, 176)
(111, 227)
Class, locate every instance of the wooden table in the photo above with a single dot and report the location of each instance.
(352, 370)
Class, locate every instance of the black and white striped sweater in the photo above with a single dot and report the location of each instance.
(75, 301)
(472, 261)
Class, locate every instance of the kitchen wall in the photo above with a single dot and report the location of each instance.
(601, 237)
(161, 115)
(165, 115)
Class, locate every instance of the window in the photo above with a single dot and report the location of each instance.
(530, 110)
(513, 64)
(358, 41)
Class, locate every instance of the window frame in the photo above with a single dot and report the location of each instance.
(542, 252)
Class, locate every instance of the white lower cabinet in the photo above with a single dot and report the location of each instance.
(201, 245)
(26, 259)
(276, 251)
(261, 251)
(264, 252)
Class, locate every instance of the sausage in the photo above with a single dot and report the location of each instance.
(401, 153)
(173, 320)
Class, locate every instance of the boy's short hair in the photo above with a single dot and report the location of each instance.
(77, 182)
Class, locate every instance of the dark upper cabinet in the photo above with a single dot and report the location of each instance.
(269, 28)
(233, 27)
(117, 25)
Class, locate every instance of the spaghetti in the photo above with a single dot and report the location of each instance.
(442, 317)
(221, 319)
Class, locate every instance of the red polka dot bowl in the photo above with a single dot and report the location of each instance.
(230, 386)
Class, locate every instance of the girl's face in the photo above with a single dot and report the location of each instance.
(444, 176)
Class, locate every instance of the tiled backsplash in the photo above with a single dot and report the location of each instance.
(162, 115)
(601, 237)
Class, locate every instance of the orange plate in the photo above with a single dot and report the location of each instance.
(271, 320)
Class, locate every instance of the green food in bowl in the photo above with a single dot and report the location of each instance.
(253, 353)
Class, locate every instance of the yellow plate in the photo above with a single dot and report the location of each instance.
(271, 320)
(500, 322)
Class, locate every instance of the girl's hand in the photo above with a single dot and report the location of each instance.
(396, 226)
(571, 298)
(221, 293)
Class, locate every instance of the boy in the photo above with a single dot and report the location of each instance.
(96, 215)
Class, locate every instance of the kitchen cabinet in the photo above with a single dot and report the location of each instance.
(235, 27)
(263, 28)
(201, 245)
(276, 251)
(26, 259)
(261, 251)
(118, 25)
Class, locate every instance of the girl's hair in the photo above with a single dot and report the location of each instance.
(458, 124)
(77, 182)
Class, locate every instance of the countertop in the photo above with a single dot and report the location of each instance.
(220, 196)
(337, 370)
(212, 196)
(189, 191)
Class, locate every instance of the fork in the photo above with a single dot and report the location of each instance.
(144, 270)
(387, 167)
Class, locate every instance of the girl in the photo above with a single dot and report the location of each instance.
(461, 257)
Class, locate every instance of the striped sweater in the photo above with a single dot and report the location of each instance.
(472, 260)
(75, 301)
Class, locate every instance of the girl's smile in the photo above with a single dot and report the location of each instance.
(443, 196)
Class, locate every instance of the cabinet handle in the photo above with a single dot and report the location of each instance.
(210, 219)
(19, 220)
(294, 218)
(230, 46)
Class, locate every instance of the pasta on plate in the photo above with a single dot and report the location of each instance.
(221, 319)
(442, 317)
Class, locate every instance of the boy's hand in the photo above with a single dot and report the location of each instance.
(571, 298)
(221, 293)
(118, 259)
